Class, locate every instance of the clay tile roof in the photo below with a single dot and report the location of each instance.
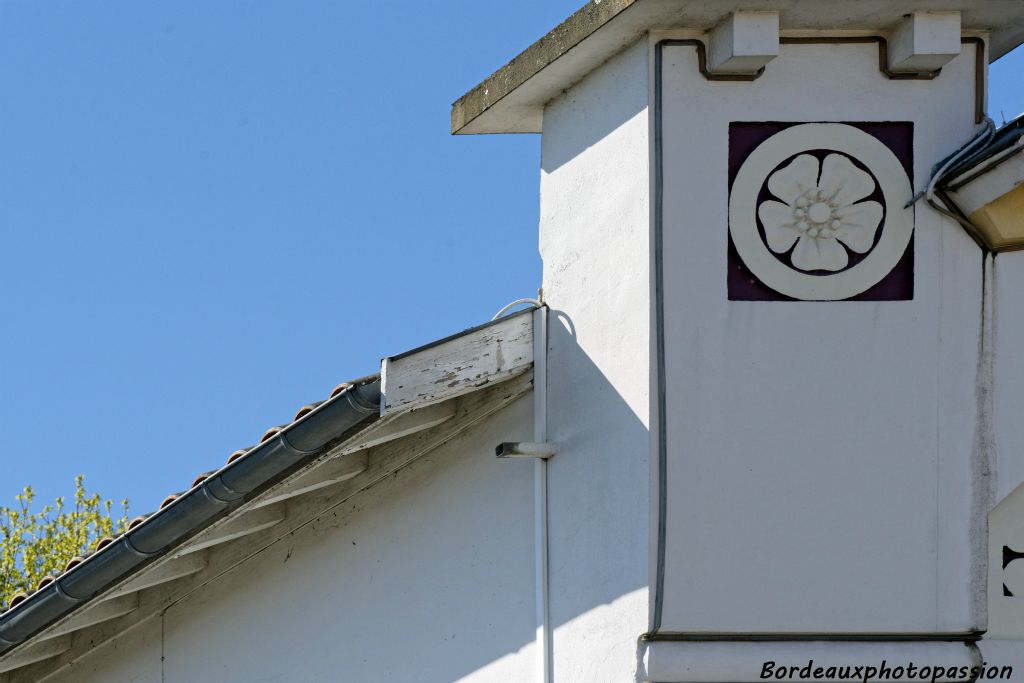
(200, 478)
(305, 410)
(17, 600)
(340, 388)
(271, 433)
(106, 541)
(238, 454)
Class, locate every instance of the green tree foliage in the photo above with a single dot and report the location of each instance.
(34, 545)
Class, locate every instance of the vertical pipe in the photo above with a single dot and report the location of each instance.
(540, 491)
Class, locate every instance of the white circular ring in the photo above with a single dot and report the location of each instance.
(897, 228)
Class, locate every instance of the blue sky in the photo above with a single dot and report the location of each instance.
(212, 213)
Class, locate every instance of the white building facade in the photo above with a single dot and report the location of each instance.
(763, 420)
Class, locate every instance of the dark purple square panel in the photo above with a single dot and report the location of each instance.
(745, 137)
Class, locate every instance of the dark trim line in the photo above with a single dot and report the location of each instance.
(1005, 140)
(956, 637)
(980, 71)
(980, 65)
(965, 222)
(659, 318)
(980, 62)
(883, 54)
(702, 61)
(300, 444)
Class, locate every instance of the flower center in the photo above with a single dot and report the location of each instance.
(819, 212)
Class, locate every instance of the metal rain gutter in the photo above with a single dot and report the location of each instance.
(222, 493)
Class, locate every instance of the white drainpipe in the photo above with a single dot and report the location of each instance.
(540, 450)
(540, 491)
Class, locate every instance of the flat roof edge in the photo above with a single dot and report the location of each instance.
(567, 35)
(511, 100)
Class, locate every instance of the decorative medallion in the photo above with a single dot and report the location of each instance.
(817, 212)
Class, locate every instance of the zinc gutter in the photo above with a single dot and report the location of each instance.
(215, 497)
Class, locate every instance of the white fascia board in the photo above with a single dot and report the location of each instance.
(467, 362)
(96, 613)
(975, 190)
(36, 652)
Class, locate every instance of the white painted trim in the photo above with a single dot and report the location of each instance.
(1004, 177)
(330, 472)
(96, 613)
(166, 571)
(402, 425)
(36, 652)
(459, 365)
(742, 662)
(248, 523)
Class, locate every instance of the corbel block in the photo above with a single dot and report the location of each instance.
(743, 43)
(924, 42)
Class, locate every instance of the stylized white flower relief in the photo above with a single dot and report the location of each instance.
(822, 208)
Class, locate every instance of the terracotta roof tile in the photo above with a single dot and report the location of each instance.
(17, 599)
(200, 478)
(306, 410)
(170, 499)
(104, 542)
(238, 454)
(271, 433)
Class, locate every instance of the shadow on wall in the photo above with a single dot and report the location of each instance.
(429, 575)
(599, 494)
(588, 115)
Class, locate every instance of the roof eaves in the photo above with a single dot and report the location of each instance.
(248, 473)
(512, 99)
(282, 465)
(556, 43)
(1008, 136)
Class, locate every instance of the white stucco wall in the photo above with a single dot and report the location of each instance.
(132, 658)
(594, 242)
(822, 457)
(1008, 351)
(426, 577)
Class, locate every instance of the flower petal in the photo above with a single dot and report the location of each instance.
(843, 182)
(779, 225)
(819, 254)
(859, 224)
(791, 181)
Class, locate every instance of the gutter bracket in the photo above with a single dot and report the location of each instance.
(525, 449)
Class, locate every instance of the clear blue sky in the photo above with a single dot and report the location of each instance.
(213, 212)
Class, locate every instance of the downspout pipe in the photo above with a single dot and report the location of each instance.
(545, 659)
(222, 493)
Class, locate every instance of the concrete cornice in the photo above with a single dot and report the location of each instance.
(511, 100)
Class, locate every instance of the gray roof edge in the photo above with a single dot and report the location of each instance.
(488, 107)
(217, 496)
(531, 61)
(1007, 136)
